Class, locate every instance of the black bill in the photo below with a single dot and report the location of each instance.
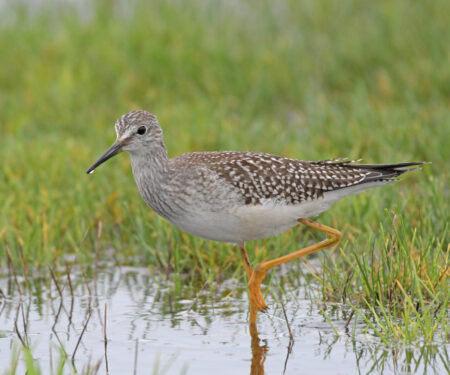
(110, 152)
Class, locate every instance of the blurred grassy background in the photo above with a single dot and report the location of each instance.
(306, 79)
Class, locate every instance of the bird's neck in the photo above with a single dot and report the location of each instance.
(150, 164)
(149, 167)
(151, 171)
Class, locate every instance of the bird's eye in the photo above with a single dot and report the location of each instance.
(141, 130)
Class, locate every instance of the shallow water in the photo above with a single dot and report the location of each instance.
(148, 331)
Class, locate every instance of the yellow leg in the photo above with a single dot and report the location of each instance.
(259, 272)
(260, 299)
(248, 268)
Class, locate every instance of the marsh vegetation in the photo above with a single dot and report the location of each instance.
(305, 79)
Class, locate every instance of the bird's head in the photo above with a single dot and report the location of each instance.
(136, 132)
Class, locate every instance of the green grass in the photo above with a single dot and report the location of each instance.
(306, 79)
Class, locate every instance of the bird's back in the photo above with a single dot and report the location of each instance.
(240, 196)
(260, 177)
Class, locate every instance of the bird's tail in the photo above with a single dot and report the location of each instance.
(386, 171)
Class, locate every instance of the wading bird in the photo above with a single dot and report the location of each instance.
(236, 197)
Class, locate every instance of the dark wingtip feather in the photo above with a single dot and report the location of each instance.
(397, 169)
(385, 172)
(391, 166)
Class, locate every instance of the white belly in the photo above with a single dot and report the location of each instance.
(247, 223)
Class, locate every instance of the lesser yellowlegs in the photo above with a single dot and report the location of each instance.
(237, 197)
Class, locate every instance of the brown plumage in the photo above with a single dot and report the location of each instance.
(260, 176)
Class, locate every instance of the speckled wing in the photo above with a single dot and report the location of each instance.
(262, 177)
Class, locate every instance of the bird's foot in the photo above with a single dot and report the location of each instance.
(254, 286)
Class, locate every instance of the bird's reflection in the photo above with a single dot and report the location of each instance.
(259, 351)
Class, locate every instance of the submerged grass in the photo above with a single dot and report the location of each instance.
(306, 79)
